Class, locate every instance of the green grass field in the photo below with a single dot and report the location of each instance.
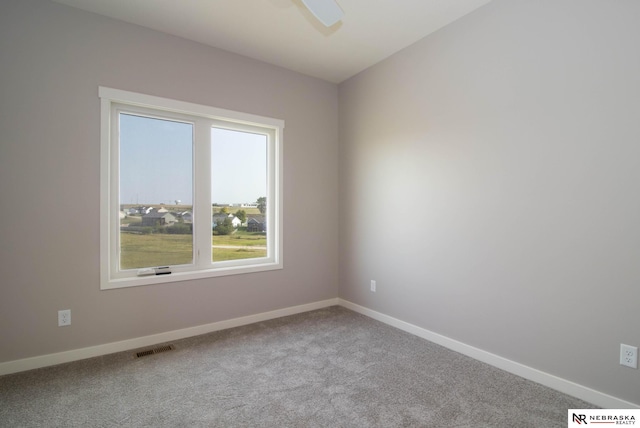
(251, 239)
(223, 254)
(138, 251)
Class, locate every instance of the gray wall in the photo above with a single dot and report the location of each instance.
(52, 60)
(490, 183)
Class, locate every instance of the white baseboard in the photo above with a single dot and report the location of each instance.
(546, 379)
(139, 342)
(570, 388)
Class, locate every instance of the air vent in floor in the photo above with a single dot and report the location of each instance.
(155, 351)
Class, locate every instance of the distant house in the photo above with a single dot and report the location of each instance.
(187, 216)
(256, 223)
(122, 215)
(158, 219)
(218, 217)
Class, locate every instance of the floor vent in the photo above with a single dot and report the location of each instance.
(155, 351)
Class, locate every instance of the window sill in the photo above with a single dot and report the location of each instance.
(112, 283)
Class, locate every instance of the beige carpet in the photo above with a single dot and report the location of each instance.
(326, 368)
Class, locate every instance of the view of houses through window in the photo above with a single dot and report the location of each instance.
(156, 193)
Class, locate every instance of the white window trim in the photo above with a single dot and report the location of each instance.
(109, 199)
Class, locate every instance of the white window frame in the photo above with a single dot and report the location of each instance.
(114, 101)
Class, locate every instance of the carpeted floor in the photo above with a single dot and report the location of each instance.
(326, 368)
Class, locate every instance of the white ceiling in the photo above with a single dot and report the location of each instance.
(284, 33)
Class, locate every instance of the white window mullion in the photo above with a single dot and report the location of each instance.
(202, 194)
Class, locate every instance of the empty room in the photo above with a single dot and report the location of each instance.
(319, 213)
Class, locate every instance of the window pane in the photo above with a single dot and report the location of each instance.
(239, 194)
(156, 192)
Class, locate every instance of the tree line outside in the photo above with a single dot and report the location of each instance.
(226, 226)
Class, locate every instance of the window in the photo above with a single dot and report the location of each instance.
(187, 191)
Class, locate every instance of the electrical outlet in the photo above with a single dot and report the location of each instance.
(373, 286)
(628, 356)
(64, 317)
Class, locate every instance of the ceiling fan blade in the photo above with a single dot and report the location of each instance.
(327, 11)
